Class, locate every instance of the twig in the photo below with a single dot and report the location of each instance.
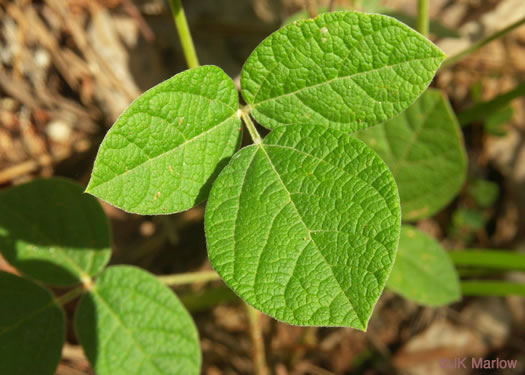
(331, 7)
(259, 357)
(189, 278)
(250, 126)
(70, 296)
(457, 57)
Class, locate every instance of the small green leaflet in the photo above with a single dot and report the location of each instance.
(424, 149)
(52, 232)
(32, 328)
(305, 226)
(132, 324)
(165, 150)
(423, 271)
(345, 70)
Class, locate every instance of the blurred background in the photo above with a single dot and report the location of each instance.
(69, 67)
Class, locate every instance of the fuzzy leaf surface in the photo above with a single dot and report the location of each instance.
(52, 232)
(423, 271)
(32, 327)
(345, 70)
(424, 149)
(132, 324)
(304, 226)
(165, 150)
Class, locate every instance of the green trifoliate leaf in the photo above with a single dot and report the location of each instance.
(32, 328)
(52, 232)
(305, 226)
(132, 324)
(423, 271)
(424, 149)
(165, 150)
(345, 70)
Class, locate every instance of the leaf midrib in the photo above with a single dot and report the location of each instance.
(350, 77)
(165, 153)
(261, 147)
(126, 329)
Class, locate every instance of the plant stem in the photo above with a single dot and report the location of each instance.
(189, 278)
(489, 259)
(251, 127)
(207, 298)
(422, 17)
(456, 58)
(480, 110)
(492, 288)
(184, 33)
(259, 357)
(70, 296)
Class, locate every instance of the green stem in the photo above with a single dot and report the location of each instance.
(184, 33)
(422, 17)
(480, 110)
(70, 296)
(189, 278)
(205, 299)
(251, 127)
(259, 357)
(489, 259)
(456, 58)
(477, 272)
(492, 288)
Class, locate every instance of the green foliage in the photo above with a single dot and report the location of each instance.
(345, 70)
(299, 224)
(484, 110)
(32, 328)
(52, 232)
(294, 208)
(131, 323)
(303, 225)
(484, 192)
(423, 271)
(424, 149)
(165, 150)
(495, 121)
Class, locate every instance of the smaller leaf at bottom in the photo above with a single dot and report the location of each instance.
(423, 271)
(32, 328)
(132, 324)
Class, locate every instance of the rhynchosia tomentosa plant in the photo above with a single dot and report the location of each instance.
(303, 225)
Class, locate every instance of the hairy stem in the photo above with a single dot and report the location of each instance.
(251, 127)
(70, 296)
(422, 17)
(259, 357)
(492, 288)
(469, 51)
(189, 278)
(184, 33)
